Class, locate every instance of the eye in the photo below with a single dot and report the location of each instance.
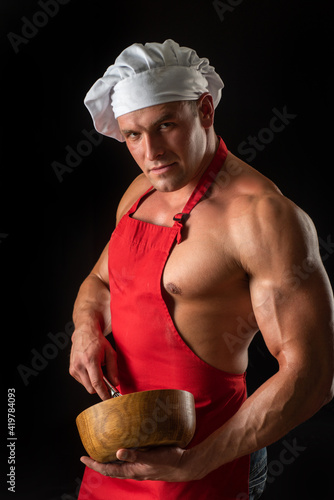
(166, 125)
(131, 135)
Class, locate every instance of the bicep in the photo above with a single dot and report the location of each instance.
(295, 315)
(290, 291)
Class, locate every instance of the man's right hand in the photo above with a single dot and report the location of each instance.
(90, 352)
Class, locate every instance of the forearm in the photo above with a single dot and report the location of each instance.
(277, 406)
(90, 349)
(286, 400)
(92, 306)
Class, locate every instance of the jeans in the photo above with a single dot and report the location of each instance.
(258, 473)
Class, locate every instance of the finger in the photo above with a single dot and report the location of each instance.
(96, 379)
(110, 469)
(89, 462)
(90, 376)
(94, 465)
(127, 455)
(85, 381)
(79, 373)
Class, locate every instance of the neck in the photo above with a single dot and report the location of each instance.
(179, 197)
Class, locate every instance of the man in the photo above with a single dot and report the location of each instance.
(203, 243)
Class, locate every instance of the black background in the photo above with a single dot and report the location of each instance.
(270, 55)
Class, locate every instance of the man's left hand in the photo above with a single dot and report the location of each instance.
(165, 463)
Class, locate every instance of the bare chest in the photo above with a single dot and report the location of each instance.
(196, 268)
(204, 288)
(202, 265)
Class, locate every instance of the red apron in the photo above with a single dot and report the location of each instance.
(152, 355)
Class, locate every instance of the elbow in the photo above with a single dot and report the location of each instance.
(319, 387)
(323, 376)
(325, 387)
(329, 395)
(329, 378)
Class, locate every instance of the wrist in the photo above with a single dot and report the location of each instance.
(91, 321)
(197, 462)
(210, 454)
(86, 328)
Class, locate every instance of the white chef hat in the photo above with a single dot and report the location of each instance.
(145, 75)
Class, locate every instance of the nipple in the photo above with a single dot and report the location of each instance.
(172, 288)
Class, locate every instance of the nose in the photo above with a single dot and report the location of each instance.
(153, 147)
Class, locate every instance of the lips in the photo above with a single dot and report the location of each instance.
(162, 168)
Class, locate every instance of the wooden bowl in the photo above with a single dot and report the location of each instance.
(136, 420)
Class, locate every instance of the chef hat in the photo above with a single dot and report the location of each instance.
(145, 75)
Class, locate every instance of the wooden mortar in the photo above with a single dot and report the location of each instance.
(140, 419)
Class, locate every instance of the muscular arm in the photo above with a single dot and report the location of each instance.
(91, 315)
(293, 304)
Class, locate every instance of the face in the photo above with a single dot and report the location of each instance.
(168, 142)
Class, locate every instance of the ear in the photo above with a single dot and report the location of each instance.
(206, 110)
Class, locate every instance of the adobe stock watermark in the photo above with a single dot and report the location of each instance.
(288, 455)
(76, 154)
(223, 7)
(254, 143)
(149, 425)
(277, 124)
(40, 359)
(30, 27)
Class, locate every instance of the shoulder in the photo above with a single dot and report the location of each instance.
(264, 225)
(256, 200)
(136, 189)
(274, 219)
(277, 236)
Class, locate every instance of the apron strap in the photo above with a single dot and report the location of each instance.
(135, 205)
(202, 187)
